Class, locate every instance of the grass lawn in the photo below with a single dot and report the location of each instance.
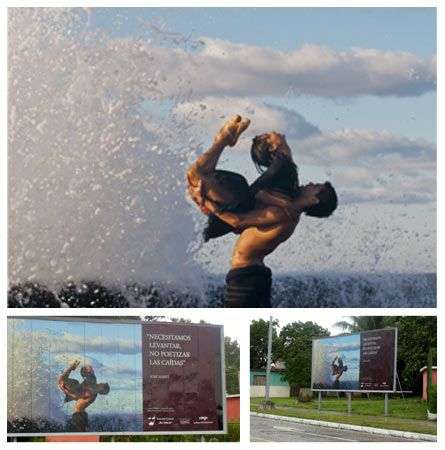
(407, 414)
(233, 434)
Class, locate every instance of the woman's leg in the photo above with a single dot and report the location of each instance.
(207, 162)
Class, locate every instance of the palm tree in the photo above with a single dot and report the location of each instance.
(361, 323)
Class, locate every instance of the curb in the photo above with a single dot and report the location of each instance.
(346, 426)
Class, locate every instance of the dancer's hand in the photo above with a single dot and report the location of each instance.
(195, 192)
(232, 130)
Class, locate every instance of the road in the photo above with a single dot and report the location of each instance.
(274, 430)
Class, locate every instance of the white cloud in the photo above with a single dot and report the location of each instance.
(71, 343)
(227, 68)
(66, 358)
(374, 166)
(351, 145)
(207, 115)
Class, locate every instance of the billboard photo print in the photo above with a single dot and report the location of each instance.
(363, 361)
(76, 375)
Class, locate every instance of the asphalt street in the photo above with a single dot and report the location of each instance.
(273, 430)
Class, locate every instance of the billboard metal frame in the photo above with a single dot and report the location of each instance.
(110, 320)
(364, 391)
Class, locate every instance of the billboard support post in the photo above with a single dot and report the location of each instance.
(386, 404)
(349, 402)
(319, 400)
(400, 386)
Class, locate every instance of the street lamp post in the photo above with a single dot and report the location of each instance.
(269, 358)
(268, 404)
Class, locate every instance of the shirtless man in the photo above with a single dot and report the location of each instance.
(338, 368)
(84, 394)
(263, 222)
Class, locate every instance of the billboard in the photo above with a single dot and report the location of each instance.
(105, 376)
(362, 362)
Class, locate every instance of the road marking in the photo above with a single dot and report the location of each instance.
(313, 434)
(260, 439)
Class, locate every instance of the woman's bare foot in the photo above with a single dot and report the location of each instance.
(233, 129)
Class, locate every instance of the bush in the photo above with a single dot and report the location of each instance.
(305, 395)
(432, 399)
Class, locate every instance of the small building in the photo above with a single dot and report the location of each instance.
(278, 386)
(233, 408)
(424, 373)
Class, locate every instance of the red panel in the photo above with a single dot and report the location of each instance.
(233, 409)
(75, 438)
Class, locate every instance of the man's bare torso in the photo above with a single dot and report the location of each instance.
(255, 243)
(83, 398)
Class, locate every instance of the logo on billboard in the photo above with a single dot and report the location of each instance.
(203, 420)
(165, 420)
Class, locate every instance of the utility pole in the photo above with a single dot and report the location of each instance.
(269, 358)
(267, 403)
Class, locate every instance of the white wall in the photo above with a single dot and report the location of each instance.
(275, 391)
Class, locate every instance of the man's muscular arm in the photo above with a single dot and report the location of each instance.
(64, 376)
(260, 217)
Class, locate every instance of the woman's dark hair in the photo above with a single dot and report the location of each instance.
(73, 385)
(327, 202)
(86, 373)
(240, 199)
(260, 153)
(235, 188)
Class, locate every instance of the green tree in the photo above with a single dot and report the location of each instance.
(296, 350)
(362, 323)
(232, 362)
(258, 343)
(416, 336)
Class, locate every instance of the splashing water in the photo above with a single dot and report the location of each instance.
(96, 175)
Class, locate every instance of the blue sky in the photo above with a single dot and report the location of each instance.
(406, 29)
